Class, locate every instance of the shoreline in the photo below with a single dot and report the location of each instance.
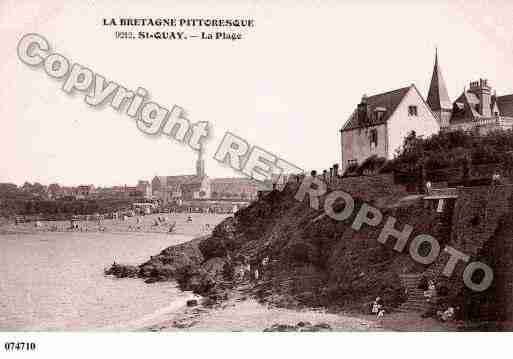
(242, 313)
(202, 224)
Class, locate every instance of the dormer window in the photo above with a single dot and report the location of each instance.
(412, 110)
(379, 113)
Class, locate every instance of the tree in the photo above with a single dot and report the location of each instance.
(27, 187)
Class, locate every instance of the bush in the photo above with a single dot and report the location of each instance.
(371, 164)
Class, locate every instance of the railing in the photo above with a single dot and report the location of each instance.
(502, 122)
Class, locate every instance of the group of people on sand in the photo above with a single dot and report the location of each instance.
(437, 307)
(162, 220)
(159, 220)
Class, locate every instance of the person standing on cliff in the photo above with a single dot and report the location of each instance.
(428, 187)
(496, 178)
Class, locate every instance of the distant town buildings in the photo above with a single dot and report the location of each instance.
(55, 192)
(478, 108)
(168, 190)
(144, 187)
(175, 189)
(379, 123)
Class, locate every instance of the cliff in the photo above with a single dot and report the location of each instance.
(313, 259)
(316, 261)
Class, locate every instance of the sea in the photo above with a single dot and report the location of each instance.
(56, 282)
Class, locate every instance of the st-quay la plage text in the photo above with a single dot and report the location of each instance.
(206, 28)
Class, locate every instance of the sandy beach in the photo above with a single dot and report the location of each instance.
(240, 312)
(243, 313)
(201, 224)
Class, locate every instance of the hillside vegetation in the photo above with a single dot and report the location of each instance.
(313, 259)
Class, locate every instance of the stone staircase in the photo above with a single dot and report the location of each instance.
(416, 301)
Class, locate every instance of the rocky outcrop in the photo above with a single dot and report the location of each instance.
(311, 259)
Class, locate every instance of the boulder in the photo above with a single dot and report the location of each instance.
(281, 328)
(123, 270)
(192, 303)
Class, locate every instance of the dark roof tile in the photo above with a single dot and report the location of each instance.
(505, 105)
(388, 100)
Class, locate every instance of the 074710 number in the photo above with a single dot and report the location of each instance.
(19, 346)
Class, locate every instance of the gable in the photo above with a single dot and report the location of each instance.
(402, 122)
(386, 102)
(465, 107)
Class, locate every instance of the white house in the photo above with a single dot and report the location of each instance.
(380, 123)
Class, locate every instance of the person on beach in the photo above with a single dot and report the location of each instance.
(446, 315)
(377, 306)
(381, 314)
(430, 292)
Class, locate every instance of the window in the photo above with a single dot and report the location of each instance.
(374, 138)
(412, 110)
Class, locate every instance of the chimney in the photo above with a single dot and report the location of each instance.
(362, 110)
(484, 93)
(335, 170)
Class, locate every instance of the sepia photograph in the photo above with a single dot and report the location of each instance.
(174, 173)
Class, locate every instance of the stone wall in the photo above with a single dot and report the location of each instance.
(476, 216)
(376, 189)
(501, 257)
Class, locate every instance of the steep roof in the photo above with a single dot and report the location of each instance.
(465, 107)
(505, 105)
(387, 101)
(438, 97)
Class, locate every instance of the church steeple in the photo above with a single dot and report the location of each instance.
(200, 163)
(438, 97)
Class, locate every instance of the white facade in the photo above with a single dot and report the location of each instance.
(401, 124)
(368, 133)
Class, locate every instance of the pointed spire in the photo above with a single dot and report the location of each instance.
(438, 97)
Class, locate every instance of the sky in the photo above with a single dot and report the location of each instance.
(287, 87)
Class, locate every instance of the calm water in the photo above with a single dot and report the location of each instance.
(56, 281)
